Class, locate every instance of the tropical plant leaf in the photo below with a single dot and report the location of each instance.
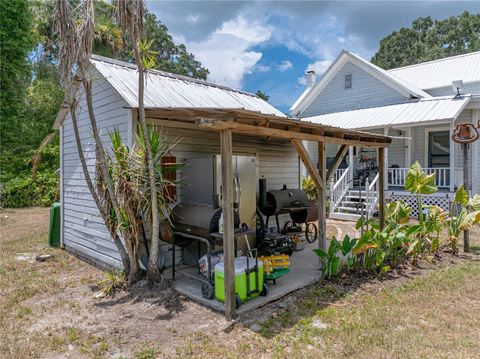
(469, 220)
(475, 202)
(461, 196)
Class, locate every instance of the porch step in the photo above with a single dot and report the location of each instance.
(353, 203)
(345, 216)
(350, 209)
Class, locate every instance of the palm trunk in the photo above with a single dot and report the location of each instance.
(116, 239)
(101, 152)
(153, 273)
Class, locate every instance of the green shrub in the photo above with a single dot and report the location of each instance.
(25, 192)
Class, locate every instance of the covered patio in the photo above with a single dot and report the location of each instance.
(227, 122)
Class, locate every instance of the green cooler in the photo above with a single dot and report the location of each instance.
(245, 289)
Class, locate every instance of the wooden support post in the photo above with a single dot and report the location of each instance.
(322, 197)
(228, 224)
(381, 187)
(466, 233)
(385, 173)
(312, 171)
(342, 151)
(350, 163)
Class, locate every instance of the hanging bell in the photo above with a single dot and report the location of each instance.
(465, 133)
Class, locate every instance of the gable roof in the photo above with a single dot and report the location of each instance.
(391, 80)
(404, 114)
(441, 72)
(169, 91)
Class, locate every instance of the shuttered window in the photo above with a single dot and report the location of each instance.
(348, 81)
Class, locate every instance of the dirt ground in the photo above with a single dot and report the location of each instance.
(49, 310)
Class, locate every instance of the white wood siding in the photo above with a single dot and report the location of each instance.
(277, 160)
(396, 150)
(471, 88)
(84, 232)
(366, 91)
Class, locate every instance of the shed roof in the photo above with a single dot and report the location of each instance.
(403, 114)
(441, 73)
(163, 89)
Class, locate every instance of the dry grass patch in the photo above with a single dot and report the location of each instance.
(48, 310)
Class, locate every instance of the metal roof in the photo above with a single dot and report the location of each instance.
(165, 90)
(409, 113)
(441, 73)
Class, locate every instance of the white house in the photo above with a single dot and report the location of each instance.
(419, 105)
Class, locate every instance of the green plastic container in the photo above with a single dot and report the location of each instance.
(240, 279)
(54, 234)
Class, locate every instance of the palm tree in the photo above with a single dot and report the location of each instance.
(130, 15)
(74, 49)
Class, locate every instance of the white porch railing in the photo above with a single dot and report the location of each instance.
(339, 173)
(371, 196)
(338, 189)
(397, 176)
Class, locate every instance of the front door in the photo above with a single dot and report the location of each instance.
(439, 149)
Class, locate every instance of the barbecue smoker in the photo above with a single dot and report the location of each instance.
(289, 201)
(198, 222)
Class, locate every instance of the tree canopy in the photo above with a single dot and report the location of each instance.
(428, 40)
(31, 93)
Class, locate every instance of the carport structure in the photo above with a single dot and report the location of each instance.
(266, 127)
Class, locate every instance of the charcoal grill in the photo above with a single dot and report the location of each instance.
(197, 222)
(289, 201)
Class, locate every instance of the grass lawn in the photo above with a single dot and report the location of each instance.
(48, 310)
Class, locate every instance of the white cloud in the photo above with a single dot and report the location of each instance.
(284, 66)
(226, 52)
(262, 68)
(193, 19)
(319, 67)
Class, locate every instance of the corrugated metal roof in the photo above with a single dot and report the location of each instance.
(426, 110)
(165, 90)
(441, 73)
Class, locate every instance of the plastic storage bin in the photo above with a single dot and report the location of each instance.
(241, 287)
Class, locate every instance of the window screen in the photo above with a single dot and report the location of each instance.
(348, 81)
(439, 149)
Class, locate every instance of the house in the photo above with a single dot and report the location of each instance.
(418, 105)
(224, 136)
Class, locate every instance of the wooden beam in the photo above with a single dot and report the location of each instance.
(381, 187)
(312, 171)
(466, 185)
(228, 224)
(342, 151)
(322, 198)
(274, 132)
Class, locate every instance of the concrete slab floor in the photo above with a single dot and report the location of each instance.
(304, 271)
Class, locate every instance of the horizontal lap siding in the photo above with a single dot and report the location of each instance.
(469, 88)
(277, 160)
(366, 91)
(84, 231)
(396, 150)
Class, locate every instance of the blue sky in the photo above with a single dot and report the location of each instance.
(268, 46)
